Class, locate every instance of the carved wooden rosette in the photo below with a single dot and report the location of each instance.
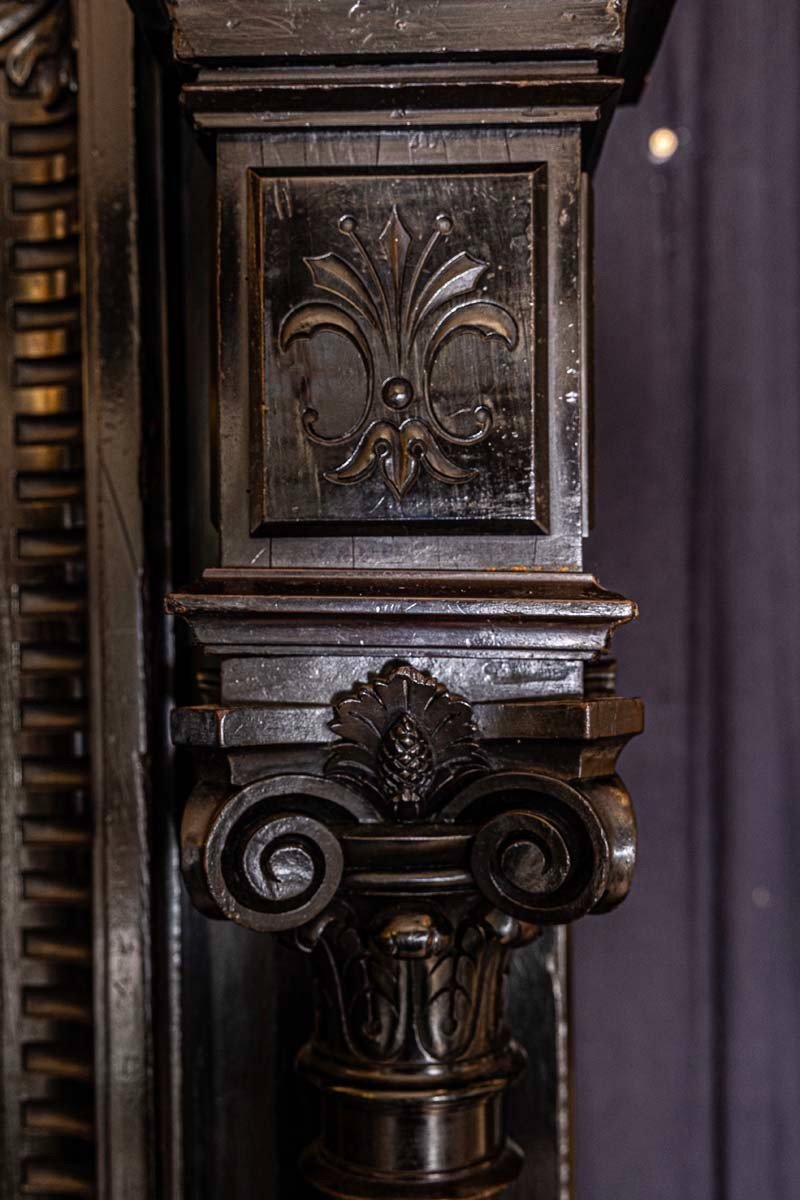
(408, 865)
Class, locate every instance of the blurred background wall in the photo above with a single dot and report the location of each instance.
(688, 999)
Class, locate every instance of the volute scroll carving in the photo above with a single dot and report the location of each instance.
(408, 868)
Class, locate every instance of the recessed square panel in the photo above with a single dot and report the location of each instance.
(399, 373)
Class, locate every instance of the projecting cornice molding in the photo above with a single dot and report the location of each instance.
(615, 37)
(257, 30)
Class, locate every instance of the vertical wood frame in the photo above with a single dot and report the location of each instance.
(120, 562)
(76, 1066)
(47, 797)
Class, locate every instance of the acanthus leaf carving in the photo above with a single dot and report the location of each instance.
(421, 987)
(363, 999)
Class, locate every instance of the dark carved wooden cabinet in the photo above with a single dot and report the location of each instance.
(298, 339)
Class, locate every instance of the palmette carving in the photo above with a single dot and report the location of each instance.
(388, 309)
(406, 742)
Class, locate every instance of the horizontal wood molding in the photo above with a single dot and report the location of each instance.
(252, 29)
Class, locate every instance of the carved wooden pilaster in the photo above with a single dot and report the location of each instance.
(408, 769)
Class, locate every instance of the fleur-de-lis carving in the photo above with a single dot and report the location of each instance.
(389, 309)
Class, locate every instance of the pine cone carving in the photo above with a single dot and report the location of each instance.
(404, 741)
(405, 767)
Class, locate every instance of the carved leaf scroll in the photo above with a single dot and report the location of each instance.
(385, 315)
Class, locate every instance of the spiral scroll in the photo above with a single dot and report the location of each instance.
(259, 857)
(547, 851)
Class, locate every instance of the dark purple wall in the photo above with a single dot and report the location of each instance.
(688, 999)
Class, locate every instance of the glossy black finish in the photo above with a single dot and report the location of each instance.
(389, 217)
(411, 408)
(47, 798)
